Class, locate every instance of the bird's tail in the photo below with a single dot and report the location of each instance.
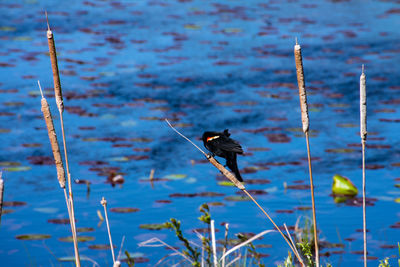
(232, 164)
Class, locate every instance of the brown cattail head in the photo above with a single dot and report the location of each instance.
(54, 67)
(302, 87)
(54, 143)
(363, 106)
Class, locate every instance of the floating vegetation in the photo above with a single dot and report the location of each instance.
(33, 237)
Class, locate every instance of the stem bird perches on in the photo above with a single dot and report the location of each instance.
(239, 185)
(363, 134)
(306, 124)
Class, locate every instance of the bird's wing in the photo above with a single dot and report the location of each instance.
(228, 144)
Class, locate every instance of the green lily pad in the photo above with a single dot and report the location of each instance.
(226, 183)
(153, 226)
(343, 186)
(80, 239)
(84, 229)
(124, 210)
(72, 258)
(101, 246)
(33, 237)
(175, 176)
(236, 198)
(119, 159)
(9, 164)
(17, 169)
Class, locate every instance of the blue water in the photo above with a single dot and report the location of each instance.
(205, 65)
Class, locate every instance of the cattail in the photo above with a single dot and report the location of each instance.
(54, 67)
(53, 140)
(363, 106)
(302, 87)
(306, 124)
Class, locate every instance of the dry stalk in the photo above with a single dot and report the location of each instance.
(104, 203)
(225, 243)
(214, 244)
(60, 105)
(1, 193)
(236, 182)
(363, 134)
(306, 123)
(59, 166)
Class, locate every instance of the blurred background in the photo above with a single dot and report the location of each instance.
(205, 65)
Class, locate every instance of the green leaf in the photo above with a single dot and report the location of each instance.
(343, 186)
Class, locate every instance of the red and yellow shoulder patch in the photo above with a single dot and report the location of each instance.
(212, 138)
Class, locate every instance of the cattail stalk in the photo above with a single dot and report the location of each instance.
(104, 203)
(363, 134)
(214, 244)
(225, 243)
(238, 184)
(1, 193)
(60, 105)
(54, 67)
(59, 166)
(306, 124)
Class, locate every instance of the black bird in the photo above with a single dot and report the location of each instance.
(223, 146)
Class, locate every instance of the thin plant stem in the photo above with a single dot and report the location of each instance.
(214, 245)
(364, 209)
(312, 200)
(104, 203)
(1, 193)
(225, 243)
(71, 199)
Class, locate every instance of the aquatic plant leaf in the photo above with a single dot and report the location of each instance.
(17, 169)
(80, 239)
(343, 186)
(84, 229)
(124, 210)
(225, 183)
(33, 237)
(237, 198)
(153, 226)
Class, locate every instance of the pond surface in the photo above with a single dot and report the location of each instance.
(205, 65)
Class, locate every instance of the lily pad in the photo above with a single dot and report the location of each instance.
(175, 176)
(124, 210)
(80, 239)
(17, 169)
(33, 237)
(236, 198)
(153, 226)
(84, 229)
(226, 183)
(101, 246)
(343, 186)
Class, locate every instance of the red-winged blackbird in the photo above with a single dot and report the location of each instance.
(221, 145)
